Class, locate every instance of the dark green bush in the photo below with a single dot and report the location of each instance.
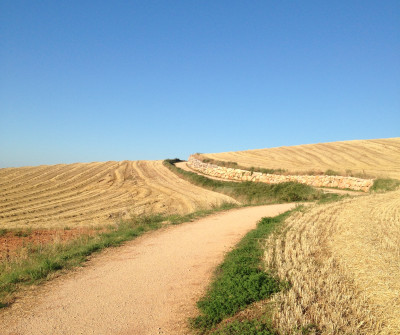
(332, 173)
(385, 184)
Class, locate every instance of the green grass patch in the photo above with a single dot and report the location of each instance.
(40, 262)
(250, 192)
(384, 185)
(240, 280)
(266, 171)
(332, 197)
(228, 164)
(23, 232)
(331, 173)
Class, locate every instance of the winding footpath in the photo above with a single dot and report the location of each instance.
(148, 286)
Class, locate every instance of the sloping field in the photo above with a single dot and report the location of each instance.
(94, 193)
(342, 260)
(378, 158)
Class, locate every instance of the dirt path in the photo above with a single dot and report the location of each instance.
(148, 286)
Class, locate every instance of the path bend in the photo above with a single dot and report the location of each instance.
(148, 286)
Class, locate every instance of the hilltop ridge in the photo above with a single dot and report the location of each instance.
(376, 157)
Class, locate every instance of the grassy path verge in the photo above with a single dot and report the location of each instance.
(240, 281)
(250, 192)
(41, 262)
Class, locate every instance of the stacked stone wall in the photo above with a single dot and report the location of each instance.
(342, 182)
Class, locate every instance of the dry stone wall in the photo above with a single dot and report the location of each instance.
(352, 183)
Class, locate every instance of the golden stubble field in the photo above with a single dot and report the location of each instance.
(342, 261)
(378, 158)
(87, 194)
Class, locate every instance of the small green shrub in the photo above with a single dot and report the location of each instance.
(331, 197)
(174, 161)
(22, 233)
(227, 164)
(384, 185)
(332, 173)
(270, 171)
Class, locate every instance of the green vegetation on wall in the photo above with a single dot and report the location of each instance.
(250, 192)
(385, 184)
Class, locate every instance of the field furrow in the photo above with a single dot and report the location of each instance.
(70, 179)
(94, 193)
(72, 183)
(11, 179)
(172, 187)
(64, 209)
(342, 262)
(69, 186)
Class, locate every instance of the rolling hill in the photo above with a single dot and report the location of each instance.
(84, 194)
(376, 158)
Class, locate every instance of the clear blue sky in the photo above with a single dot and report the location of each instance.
(85, 81)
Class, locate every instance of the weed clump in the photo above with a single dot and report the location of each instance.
(331, 173)
(384, 185)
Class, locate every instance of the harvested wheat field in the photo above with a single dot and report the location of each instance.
(377, 158)
(86, 194)
(342, 260)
